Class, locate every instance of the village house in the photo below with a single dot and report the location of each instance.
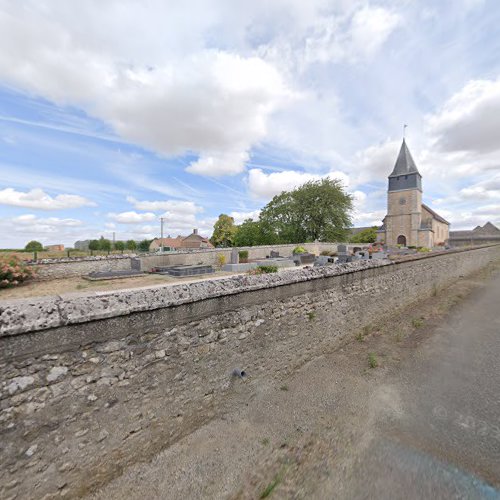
(193, 241)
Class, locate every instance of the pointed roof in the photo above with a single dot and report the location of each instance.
(404, 164)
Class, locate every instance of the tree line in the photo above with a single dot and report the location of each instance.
(317, 210)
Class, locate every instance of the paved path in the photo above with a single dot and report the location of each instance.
(443, 438)
(426, 424)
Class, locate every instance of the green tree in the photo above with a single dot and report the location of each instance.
(144, 245)
(93, 246)
(317, 210)
(249, 234)
(224, 232)
(104, 244)
(368, 235)
(120, 246)
(34, 246)
(131, 245)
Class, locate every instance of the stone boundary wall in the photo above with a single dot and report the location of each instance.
(92, 383)
(69, 269)
(81, 266)
(210, 256)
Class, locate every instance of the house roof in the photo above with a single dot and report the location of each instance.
(170, 242)
(435, 215)
(404, 164)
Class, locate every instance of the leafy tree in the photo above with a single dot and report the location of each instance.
(93, 246)
(120, 246)
(144, 245)
(104, 244)
(250, 233)
(368, 235)
(224, 232)
(34, 246)
(131, 245)
(317, 210)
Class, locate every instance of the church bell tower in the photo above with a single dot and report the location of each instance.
(404, 201)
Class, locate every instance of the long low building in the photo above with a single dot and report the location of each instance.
(484, 235)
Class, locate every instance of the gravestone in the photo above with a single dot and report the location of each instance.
(235, 258)
(274, 254)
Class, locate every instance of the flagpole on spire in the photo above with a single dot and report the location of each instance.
(404, 131)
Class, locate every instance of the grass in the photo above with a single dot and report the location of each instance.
(360, 337)
(372, 360)
(311, 315)
(265, 441)
(271, 486)
(417, 322)
(366, 330)
(284, 388)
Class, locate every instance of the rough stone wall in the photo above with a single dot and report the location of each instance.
(56, 270)
(81, 401)
(210, 257)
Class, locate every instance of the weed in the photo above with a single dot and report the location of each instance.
(265, 441)
(417, 322)
(360, 337)
(366, 330)
(372, 360)
(270, 487)
(81, 286)
(284, 388)
(311, 315)
(434, 290)
(398, 336)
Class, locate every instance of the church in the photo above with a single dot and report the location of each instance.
(409, 222)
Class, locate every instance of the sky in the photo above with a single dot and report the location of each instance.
(114, 114)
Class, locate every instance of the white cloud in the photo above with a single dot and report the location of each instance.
(50, 222)
(265, 186)
(240, 217)
(174, 206)
(38, 199)
(132, 217)
(219, 164)
(210, 102)
(470, 120)
(358, 37)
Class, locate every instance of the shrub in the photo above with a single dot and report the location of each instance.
(263, 270)
(221, 259)
(13, 272)
(423, 249)
(299, 249)
(372, 360)
(243, 255)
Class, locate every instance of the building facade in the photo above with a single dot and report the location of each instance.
(409, 222)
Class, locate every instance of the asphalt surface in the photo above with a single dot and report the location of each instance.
(441, 438)
(424, 424)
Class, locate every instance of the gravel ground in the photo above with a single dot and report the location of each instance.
(339, 428)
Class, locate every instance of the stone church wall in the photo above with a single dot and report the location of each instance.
(91, 384)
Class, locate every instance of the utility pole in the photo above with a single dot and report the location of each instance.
(161, 240)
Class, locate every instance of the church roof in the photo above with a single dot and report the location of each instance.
(404, 164)
(435, 215)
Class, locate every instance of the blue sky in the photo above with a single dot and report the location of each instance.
(114, 114)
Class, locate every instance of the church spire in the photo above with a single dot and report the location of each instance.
(404, 164)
